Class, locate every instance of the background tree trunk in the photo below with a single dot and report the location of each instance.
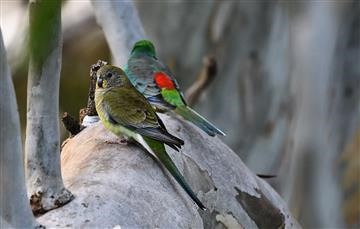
(45, 186)
(15, 211)
(311, 127)
(121, 25)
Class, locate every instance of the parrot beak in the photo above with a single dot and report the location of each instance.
(100, 83)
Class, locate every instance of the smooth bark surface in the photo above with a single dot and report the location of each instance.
(117, 184)
(121, 25)
(45, 186)
(310, 130)
(15, 210)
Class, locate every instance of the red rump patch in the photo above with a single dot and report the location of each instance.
(163, 81)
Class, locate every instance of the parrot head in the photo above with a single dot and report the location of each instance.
(109, 76)
(144, 46)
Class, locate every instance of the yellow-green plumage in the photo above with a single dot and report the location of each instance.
(125, 111)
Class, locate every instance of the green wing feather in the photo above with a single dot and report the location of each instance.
(128, 108)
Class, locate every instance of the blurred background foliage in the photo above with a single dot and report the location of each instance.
(287, 92)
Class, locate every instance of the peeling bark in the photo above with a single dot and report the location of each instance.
(261, 210)
(45, 186)
(15, 210)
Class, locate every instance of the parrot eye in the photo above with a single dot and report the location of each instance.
(100, 83)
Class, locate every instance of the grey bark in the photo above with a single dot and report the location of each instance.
(15, 210)
(311, 114)
(123, 185)
(121, 25)
(45, 186)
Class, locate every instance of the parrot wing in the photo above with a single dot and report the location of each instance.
(161, 67)
(127, 107)
(140, 71)
(164, 68)
(150, 76)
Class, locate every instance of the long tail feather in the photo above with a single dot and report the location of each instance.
(162, 136)
(192, 116)
(160, 152)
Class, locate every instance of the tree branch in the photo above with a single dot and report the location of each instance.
(146, 196)
(206, 76)
(71, 124)
(91, 109)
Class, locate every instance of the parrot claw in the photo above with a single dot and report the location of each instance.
(120, 141)
(128, 140)
(123, 140)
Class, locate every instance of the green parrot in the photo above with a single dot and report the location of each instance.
(125, 111)
(156, 82)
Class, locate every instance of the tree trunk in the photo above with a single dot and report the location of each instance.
(45, 186)
(15, 210)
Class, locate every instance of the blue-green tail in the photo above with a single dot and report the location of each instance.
(192, 116)
(159, 150)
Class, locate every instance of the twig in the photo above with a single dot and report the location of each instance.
(71, 124)
(206, 76)
(82, 114)
(90, 109)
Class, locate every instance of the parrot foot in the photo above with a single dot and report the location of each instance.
(123, 140)
(120, 141)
